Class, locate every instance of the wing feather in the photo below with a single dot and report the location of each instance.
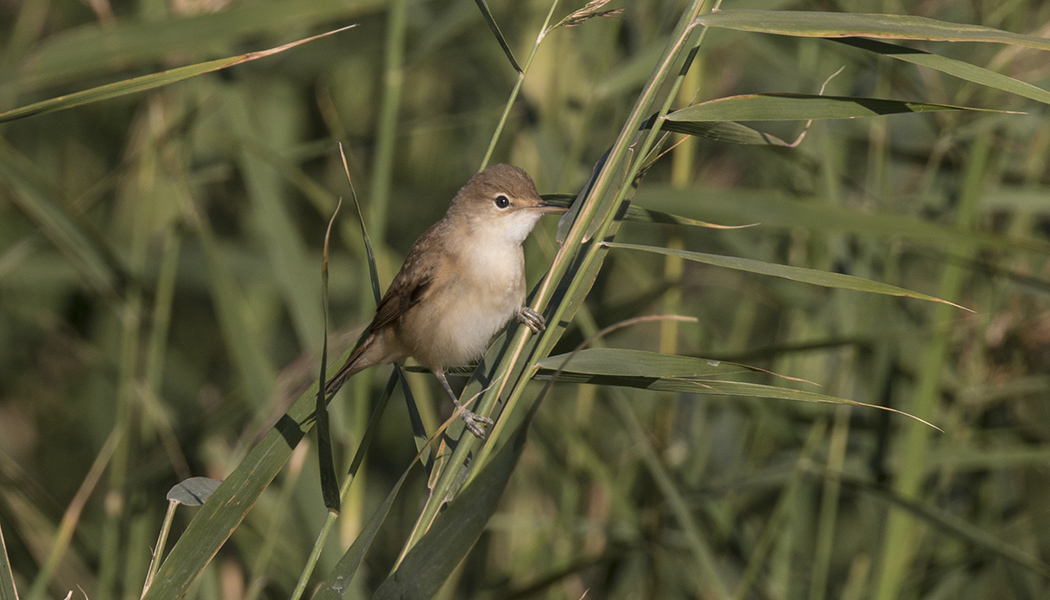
(411, 286)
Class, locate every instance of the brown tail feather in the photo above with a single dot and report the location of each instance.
(349, 369)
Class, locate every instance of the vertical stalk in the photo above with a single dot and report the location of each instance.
(903, 531)
(829, 504)
(386, 132)
(130, 314)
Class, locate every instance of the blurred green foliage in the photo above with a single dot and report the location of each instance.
(160, 260)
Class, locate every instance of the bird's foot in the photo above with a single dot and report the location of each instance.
(475, 423)
(531, 319)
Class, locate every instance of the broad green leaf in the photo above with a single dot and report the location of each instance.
(840, 24)
(716, 119)
(194, 491)
(956, 68)
(811, 276)
(229, 504)
(638, 363)
(452, 534)
(147, 82)
(797, 107)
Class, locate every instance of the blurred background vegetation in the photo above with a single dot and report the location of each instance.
(160, 260)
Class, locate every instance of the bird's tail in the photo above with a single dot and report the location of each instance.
(351, 367)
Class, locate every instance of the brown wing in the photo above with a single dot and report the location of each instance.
(397, 301)
(409, 288)
(414, 282)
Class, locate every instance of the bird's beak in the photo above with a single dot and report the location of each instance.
(548, 208)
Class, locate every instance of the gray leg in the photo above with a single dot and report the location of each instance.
(474, 421)
(532, 319)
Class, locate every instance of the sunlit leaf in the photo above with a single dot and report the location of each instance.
(797, 107)
(841, 24)
(811, 276)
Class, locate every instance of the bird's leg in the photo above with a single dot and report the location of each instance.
(531, 319)
(474, 421)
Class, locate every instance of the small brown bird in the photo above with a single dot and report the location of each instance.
(462, 281)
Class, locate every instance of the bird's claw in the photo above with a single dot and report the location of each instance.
(531, 319)
(475, 423)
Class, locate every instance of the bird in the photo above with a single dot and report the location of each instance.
(462, 281)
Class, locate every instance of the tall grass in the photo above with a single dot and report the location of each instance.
(160, 302)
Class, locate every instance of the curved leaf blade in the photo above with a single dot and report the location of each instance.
(148, 82)
(491, 20)
(638, 363)
(950, 66)
(835, 24)
(811, 276)
(136, 43)
(713, 387)
(801, 107)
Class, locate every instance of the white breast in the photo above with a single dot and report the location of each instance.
(494, 291)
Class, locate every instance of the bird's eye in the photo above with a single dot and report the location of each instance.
(502, 201)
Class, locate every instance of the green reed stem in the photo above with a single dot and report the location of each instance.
(517, 87)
